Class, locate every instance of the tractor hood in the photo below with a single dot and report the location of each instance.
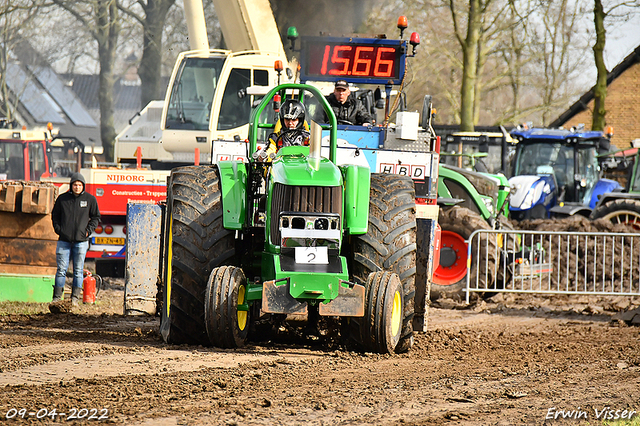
(529, 191)
(301, 170)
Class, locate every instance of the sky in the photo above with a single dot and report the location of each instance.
(621, 41)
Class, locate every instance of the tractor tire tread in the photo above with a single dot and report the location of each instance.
(199, 243)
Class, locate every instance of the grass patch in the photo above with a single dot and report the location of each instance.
(23, 308)
(635, 421)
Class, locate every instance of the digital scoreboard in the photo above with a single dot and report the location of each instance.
(356, 60)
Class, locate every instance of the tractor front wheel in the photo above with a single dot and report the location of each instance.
(389, 245)
(383, 313)
(226, 312)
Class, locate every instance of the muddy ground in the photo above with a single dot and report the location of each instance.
(509, 360)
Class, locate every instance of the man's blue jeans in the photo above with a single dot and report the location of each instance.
(76, 252)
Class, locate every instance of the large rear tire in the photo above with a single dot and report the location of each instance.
(623, 210)
(450, 278)
(389, 245)
(227, 326)
(195, 242)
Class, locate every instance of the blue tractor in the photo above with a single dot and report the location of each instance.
(556, 173)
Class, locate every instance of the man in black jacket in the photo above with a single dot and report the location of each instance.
(348, 109)
(75, 215)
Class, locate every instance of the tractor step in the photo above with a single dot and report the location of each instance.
(277, 299)
(349, 303)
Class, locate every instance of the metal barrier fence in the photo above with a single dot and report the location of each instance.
(553, 262)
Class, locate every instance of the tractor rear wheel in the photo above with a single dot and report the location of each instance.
(195, 242)
(226, 313)
(389, 245)
(622, 210)
(450, 278)
(382, 323)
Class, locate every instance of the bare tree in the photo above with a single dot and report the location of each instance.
(152, 18)
(560, 53)
(14, 18)
(600, 88)
(468, 38)
(501, 21)
(618, 10)
(469, 67)
(542, 56)
(100, 18)
(435, 69)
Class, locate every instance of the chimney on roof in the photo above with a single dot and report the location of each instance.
(131, 77)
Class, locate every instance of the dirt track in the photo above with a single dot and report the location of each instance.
(484, 365)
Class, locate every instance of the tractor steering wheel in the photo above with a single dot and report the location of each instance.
(345, 122)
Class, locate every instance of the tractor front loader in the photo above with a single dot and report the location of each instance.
(295, 236)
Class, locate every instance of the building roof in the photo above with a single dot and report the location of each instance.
(68, 101)
(126, 97)
(40, 96)
(581, 104)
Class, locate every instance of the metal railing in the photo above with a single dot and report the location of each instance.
(588, 263)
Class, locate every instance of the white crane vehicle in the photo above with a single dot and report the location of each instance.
(202, 114)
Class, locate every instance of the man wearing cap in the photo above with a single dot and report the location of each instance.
(75, 215)
(348, 109)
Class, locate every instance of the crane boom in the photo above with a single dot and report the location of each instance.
(196, 26)
(202, 103)
(249, 25)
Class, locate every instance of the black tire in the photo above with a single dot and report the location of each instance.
(226, 326)
(622, 210)
(381, 326)
(462, 222)
(390, 243)
(195, 242)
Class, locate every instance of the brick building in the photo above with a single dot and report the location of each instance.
(622, 103)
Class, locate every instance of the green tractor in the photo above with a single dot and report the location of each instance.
(471, 200)
(249, 244)
(621, 206)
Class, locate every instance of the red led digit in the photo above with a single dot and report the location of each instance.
(386, 64)
(359, 60)
(325, 58)
(337, 59)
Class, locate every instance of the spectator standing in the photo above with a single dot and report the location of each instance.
(75, 215)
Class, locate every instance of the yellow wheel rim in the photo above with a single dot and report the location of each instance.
(396, 313)
(169, 265)
(242, 315)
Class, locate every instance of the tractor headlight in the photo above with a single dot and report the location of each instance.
(533, 196)
(313, 230)
(488, 202)
(529, 191)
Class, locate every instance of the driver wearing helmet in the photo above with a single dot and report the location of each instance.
(293, 131)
